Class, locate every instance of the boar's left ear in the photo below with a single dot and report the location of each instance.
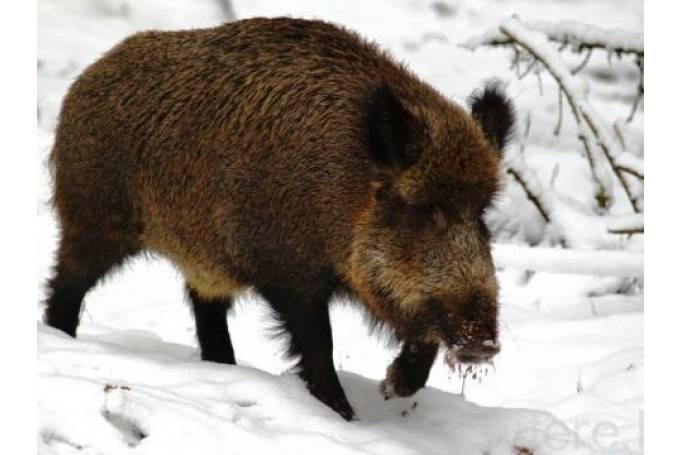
(391, 129)
(494, 112)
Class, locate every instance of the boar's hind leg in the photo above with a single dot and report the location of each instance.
(307, 321)
(211, 328)
(83, 258)
(410, 370)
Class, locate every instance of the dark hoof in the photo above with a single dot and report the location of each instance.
(342, 407)
(337, 401)
(68, 328)
(399, 384)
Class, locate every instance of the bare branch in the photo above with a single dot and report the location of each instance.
(530, 42)
(533, 197)
(626, 224)
(560, 108)
(619, 135)
(584, 62)
(530, 67)
(580, 37)
(597, 128)
(227, 10)
(517, 168)
(540, 81)
(553, 175)
(640, 61)
(627, 231)
(527, 130)
(592, 131)
(630, 164)
(630, 171)
(515, 60)
(636, 103)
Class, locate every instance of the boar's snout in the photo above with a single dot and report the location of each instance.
(472, 332)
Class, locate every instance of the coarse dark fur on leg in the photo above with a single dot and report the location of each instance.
(211, 328)
(82, 260)
(305, 318)
(408, 373)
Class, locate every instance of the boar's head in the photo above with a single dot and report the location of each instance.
(420, 257)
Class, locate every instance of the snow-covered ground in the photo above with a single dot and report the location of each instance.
(569, 377)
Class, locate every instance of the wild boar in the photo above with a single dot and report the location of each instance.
(293, 158)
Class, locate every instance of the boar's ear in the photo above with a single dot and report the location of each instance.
(391, 128)
(494, 112)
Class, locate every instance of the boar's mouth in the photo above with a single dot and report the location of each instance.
(482, 353)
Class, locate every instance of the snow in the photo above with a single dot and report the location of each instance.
(569, 375)
(574, 33)
(599, 263)
(142, 401)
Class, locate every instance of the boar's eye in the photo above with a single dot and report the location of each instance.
(399, 214)
(438, 218)
(426, 217)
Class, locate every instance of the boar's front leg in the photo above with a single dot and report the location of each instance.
(410, 370)
(307, 321)
(212, 330)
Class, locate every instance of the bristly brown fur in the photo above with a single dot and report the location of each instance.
(287, 156)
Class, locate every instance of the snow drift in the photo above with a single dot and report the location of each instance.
(130, 393)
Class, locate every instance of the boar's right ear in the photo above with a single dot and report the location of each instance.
(390, 129)
(494, 112)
